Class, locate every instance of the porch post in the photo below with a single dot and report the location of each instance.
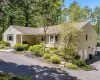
(21, 39)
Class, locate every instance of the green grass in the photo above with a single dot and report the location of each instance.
(4, 76)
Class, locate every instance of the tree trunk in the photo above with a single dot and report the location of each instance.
(26, 20)
(3, 20)
(45, 41)
(11, 22)
(3, 26)
(26, 15)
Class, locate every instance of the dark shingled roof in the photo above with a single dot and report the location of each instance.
(39, 31)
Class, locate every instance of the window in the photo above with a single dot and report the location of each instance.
(53, 39)
(42, 38)
(9, 37)
(86, 37)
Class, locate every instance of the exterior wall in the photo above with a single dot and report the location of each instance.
(84, 44)
(29, 38)
(13, 31)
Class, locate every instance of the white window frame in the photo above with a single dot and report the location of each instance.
(10, 35)
(53, 39)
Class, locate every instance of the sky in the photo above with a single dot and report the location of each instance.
(91, 3)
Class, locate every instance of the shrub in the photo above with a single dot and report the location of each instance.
(53, 49)
(25, 46)
(4, 76)
(87, 68)
(46, 56)
(18, 47)
(55, 59)
(36, 50)
(47, 50)
(79, 62)
(4, 43)
(21, 47)
(47, 60)
(71, 66)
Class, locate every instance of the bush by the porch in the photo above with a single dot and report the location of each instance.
(21, 47)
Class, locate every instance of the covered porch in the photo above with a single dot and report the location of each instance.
(27, 39)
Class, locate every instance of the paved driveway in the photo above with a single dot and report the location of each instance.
(20, 65)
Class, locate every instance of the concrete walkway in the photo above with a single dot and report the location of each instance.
(7, 50)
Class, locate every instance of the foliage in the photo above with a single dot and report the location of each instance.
(4, 76)
(54, 50)
(47, 50)
(21, 47)
(69, 40)
(87, 68)
(4, 43)
(36, 49)
(48, 60)
(46, 56)
(25, 46)
(98, 41)
(19, 52)
(75, 12)
(96, 27)
(55, 59)
(18, 47)
(79, 62)
(31, 13)
(71, 66)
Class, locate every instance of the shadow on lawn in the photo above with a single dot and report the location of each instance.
(35, 71)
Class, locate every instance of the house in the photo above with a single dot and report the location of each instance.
(20, 35)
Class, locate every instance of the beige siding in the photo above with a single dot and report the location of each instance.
(13, 31)
(84, 44)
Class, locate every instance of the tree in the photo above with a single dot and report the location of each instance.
(50, 14)
(97, 17)
(75, 12)
(88, 12)
(69, 40)
(32, 12)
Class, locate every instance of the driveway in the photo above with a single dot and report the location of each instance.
(23, 66)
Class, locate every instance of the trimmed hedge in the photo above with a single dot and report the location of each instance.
(21, 47)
